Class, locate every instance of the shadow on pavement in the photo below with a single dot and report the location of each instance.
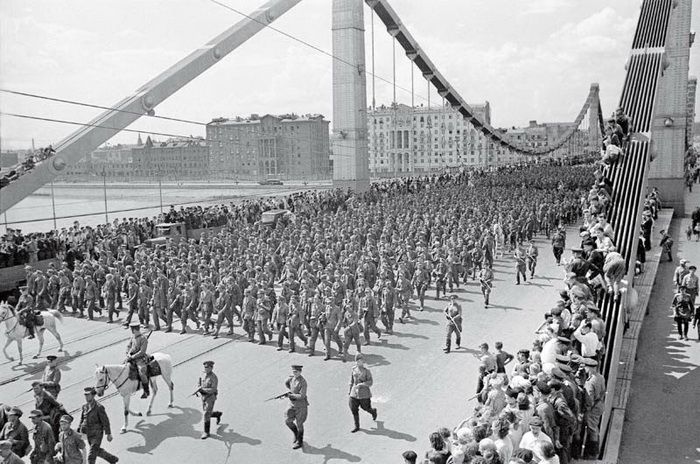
(177, 425)
(410, 335)
(393, 434)
(329, 453)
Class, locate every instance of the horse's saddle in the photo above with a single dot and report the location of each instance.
(152, 369)
(38, 319)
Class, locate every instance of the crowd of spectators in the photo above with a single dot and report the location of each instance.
(7, 175)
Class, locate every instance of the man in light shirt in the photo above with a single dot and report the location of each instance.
(588, 338)
(533, 439)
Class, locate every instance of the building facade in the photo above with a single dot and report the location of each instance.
(405, 139)
(285, 147)
(174, 159)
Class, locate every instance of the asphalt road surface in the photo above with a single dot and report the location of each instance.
(417, 388)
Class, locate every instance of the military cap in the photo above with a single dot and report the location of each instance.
(28, 268)
(297, 367)
(683, 261)
(36, 382)
(536, 422)
(589, 362)
(51, 357)
(35, 413)
(89, 391)
(453, 296)
(576, 358)
(208, 363)
(5, 444)
(359, 356)
(693, 268)
(562, 358)
(22, 287)
(135, 325)
(563, 369)
(543, 387)
(564, 339)
(15, 411)
(577, 249)
(555, 384)
(66, 418)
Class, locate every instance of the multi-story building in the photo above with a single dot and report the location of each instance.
(417, 139)
(692, 88)
(286, 146)
(176, 158)
(114, 161)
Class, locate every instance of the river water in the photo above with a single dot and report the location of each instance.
(86, 202)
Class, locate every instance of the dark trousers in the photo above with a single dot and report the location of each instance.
(295, 330)
(520, 271)
(682, 325)
(95, 450)
(558, 251)
(356, 404)
(449, 330)
(440, 284)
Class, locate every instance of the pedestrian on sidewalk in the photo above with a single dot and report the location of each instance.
(682, 312)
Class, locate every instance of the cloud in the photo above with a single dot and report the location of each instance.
(538, 7)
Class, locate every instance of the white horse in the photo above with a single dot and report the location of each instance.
(16, 331)
(118, 374)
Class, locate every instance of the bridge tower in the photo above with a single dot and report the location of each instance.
(350, 149)
(670, 119)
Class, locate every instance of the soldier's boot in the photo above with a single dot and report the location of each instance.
(207, 429)
(295, 432)
(356, 418)
(217, 415)
(374, 414)
(300, 441)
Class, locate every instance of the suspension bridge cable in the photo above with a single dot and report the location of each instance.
(90, 105)
(305, 43)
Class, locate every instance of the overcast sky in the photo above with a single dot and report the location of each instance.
(531, 59)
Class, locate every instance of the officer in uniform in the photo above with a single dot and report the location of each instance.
(136, 353)
(360, 394)
(298, 405)
(15, 432)
(94, 423)
(51, 377)
(594, 403)
(208, 389)
(453, 313)
(25, 310)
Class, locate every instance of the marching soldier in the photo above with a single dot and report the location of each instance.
(51, 377)
(136, 353)
(440, 275)
(64, 288)
(94, 423)
(453, 313)
(368, 309)
(132, 294)
(77, 292)
(249, 311)
(297, 410)
(109, 294)
(224, 307)
(44, 440)
(90, 297)
(70, 448)
(144, 294)
(486, 281)
(176, 304)
(351, 323)
(332, 327)
(7, 454)
(296, 316)
(520, 264)
(531, 256)
(15, 432)
(360, 394)
(208, 389)
(280, 316)
(189, 307)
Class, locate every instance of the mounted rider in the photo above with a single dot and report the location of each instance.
(25, 310)
(136, 354)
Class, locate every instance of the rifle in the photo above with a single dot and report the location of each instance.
(279, 397)
(195, 393)
(454, 323)
(485, 282)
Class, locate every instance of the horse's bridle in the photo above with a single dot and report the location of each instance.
(10, 315)
(106, 380)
